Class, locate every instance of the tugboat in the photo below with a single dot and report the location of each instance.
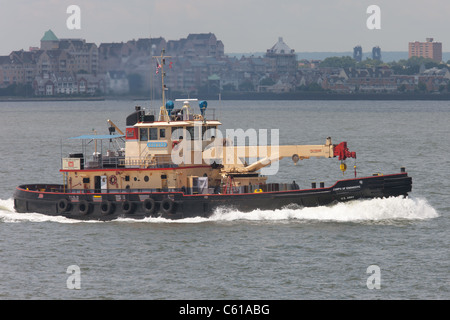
(175, 165)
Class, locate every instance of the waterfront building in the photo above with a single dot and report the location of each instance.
(85, 55)
(68, 83)
(196, 45)
(429, 49)
(281, 58)
(49, 41)
(17, 68)
(372, 80)
(53, 61)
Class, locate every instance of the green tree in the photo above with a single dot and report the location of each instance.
(267, 82)
(421, 86)
(311, 87)
(413, 64)
(17, 90)
(338, 62)
(369, 63)
(229, 87)
(246, 86)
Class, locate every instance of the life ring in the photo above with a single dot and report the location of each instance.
(128, 207)
(258, 191)
(84, 207)
(175, 143)
(149, 206)
(113, 179)
(107, 207)
(63, 205)
(167, 205)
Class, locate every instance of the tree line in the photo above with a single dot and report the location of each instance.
(402, 67)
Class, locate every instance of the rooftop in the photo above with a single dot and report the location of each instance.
(49, 36)
(281, 48)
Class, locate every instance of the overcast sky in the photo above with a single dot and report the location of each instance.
(242, 25)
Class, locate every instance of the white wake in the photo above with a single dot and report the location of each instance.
(373, 210)
(397, 208)
(8, 214)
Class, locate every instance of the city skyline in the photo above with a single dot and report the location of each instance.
(244, 26)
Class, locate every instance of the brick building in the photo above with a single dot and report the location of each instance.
(428, 49)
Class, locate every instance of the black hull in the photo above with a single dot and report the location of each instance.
(49, 200)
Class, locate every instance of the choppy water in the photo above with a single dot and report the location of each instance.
(292, 253)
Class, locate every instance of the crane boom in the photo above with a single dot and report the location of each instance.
(117, 128)
(230, 156)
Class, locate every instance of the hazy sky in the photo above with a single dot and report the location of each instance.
(242, 25)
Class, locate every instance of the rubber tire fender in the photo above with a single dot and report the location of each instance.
(128, 207)
(149, 206)
(167, 206)
(107, 207)
(84, 207)
(64, 205)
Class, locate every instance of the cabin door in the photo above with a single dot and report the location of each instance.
(104, 183)
(164, 184)
(97, 184)
(101, 184)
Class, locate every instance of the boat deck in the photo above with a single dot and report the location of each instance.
(269, 187)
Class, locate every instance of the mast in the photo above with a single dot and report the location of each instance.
(160, 65)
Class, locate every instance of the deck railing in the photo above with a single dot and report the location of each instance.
(256, 188)
(153, 161)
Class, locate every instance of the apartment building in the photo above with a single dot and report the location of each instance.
(428, 49)
(17, 67)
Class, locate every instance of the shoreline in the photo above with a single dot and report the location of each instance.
(21, 99)
(260, 96)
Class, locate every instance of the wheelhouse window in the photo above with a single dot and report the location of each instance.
(143, 134)
(177, 133)
(162, 133)
(193, 132)
(153, 133)
(190, 130)
(208, 132)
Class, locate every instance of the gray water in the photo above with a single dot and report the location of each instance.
(310, 253)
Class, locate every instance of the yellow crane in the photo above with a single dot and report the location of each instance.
(230, 156)
(116, 127)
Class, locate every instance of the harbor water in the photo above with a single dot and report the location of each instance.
(291, 253)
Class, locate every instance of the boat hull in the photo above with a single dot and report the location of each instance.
(51, 200)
